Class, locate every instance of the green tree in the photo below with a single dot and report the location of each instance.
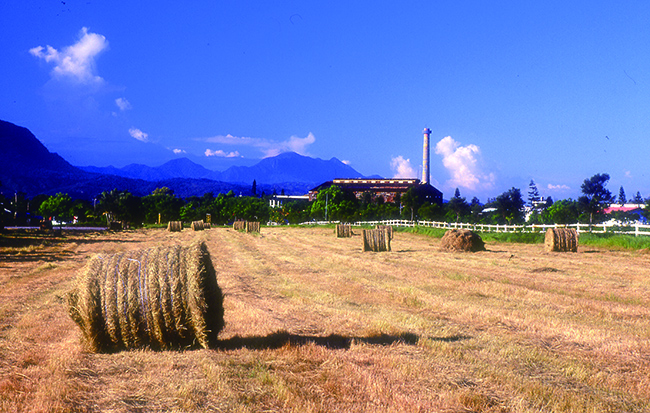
(595, 196)
(622, 199)
(189, 212)
(638, 199)
(430, 212)
(296, 212)
(646, 211)
(121, 206)
(475, 208)
(510, 206)
(533, 194)
(252, 209)
(58, 206)
(565, 211)
(334, 204)
(413, 199)
(161, 203)
(220, 210)
(458, 206)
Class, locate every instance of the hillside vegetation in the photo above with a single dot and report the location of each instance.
(313, 324)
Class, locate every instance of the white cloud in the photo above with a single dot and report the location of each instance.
(267, 147)
(139, 135)
(463, 163)
(560, 187)
(346, 162)
(402, 168)
(178, 151)
(628, 174)
(295, 144)
(76, 62)
(221, 154)
(123, 104)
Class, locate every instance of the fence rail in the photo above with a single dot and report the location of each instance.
(633, 229)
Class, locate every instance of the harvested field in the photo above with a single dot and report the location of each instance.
(313, 324)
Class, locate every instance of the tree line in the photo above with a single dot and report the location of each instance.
(333, 203)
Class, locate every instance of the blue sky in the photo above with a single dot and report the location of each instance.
(553, 91)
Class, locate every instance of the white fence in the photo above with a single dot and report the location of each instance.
(633, 229)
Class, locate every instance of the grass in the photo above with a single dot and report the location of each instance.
(617, 241)
(315, 325)
(620, 241)
(518, 237)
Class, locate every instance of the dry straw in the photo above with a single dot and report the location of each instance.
(162, 298)
(343, 230)
(248, 226)
(375, 240)
(561, 240)
(252, 226)
(198, 225)
(387, 228)
(462, 240)
(174, 226)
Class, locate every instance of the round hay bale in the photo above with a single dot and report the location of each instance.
(162, 298)
(375, 240)
(197, 225)
(462, 240)
(561, 240)
(388, 228)
(85, 306)
(174, 226)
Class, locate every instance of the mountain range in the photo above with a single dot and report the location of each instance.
(286, 167)
(27, 166)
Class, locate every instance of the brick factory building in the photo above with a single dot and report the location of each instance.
(388, 189)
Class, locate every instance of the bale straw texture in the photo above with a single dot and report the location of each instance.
(387, 228)
(462, 240)
(375, 240)
(343, 230)
(162, 298)
(175, 226)
(252, 226)
(239, 225)
(198, 225)
(561, 240)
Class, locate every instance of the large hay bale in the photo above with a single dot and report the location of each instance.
(387, 228)
(174, 226)
(239, 225)
(561, 240)
(252, 226)
(375, 240)
(343, 230)
(162, 298)
(462, 240)
(197, 225)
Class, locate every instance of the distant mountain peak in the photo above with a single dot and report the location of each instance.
(21, 149)
(26, 165)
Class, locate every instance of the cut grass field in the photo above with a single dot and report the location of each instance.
(315, 324)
